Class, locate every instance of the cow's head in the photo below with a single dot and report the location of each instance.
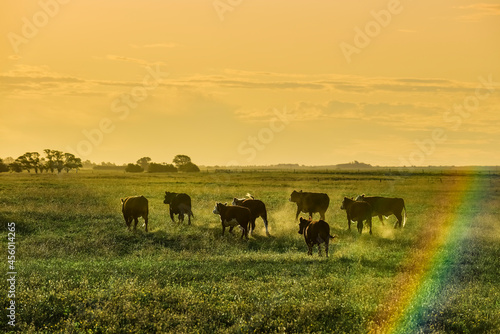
(218, 208)
(169, 197)
(303, 223)
(345, 203)
(237, 201)
(295, 196)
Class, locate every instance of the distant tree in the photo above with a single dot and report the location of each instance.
(189, 168)
(181, 160)
(29, 161)
(144, 162)
(161, 168)
(133, 168)
(54, 160)
(71, 162)
(16, 167)
(88, 164)
(3, 167)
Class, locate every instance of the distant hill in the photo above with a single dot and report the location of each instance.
(354, 165)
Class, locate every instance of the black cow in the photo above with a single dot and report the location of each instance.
(257, 208)
(180, 204)
(315, 233)
(233, 216)
(386, 206)
(310, 203)
(134, 207)
(357, 211)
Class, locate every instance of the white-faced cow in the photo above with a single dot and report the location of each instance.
(310, 203)
(386, 206)
(180, 204)
(257, 208)
(233, 216)
(315, 233)
(134, 207)
(358, 212)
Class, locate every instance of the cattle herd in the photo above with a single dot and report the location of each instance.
(244, 211)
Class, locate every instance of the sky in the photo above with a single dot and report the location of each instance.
(239, 82)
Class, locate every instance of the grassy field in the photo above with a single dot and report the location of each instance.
(80, 270)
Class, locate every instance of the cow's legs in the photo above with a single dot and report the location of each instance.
(326, 246)
(360, 226)
(400, 219)
(298, 213)
(223, 228)
(172, 216)
(322, 215)
(128, 221)
(319, 249)
(189, 217)
(310, 251)
(181, 217)
(252, 226)
(369, 222)
(264, 218)
(146, 222)
(136, 221)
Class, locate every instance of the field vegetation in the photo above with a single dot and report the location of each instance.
(80, 270)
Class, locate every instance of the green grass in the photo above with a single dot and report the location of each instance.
(80, 270)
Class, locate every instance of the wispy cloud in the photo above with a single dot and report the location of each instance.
(478, 11)
(156, 45)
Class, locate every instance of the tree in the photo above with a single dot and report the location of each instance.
(189, 167)
(144, 162)
(29, 161)
(3, 167)
(133, 168)
(161, 168)
(180, 160)
(54, 160)
(16, 167)
(71, 162)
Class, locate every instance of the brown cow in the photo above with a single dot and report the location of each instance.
(386, 206)
(310, 203)
(134, 207)
(179, 204)
(233, 216)
(357, 211)
(257, 208)
(315, 233)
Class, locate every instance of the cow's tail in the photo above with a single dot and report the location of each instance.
(191, 213)
(332, 236)
(404, 218)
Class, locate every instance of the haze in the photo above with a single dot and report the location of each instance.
(389, 83)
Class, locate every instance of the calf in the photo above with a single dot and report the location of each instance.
(134, 207)
(233, 216)
(180, 204)
(357, 211)
(257, 208)
(315, 233)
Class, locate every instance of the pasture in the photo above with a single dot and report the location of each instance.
(80, 270)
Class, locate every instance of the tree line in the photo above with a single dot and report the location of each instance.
(180, 163)
(52, 161)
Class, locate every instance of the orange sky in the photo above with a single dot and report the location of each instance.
(240, 82)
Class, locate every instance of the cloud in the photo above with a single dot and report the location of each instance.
(156, 45)
(479, 11)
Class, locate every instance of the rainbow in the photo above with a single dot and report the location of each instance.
(431, 265)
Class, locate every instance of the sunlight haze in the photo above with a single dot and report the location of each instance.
(388, 83)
